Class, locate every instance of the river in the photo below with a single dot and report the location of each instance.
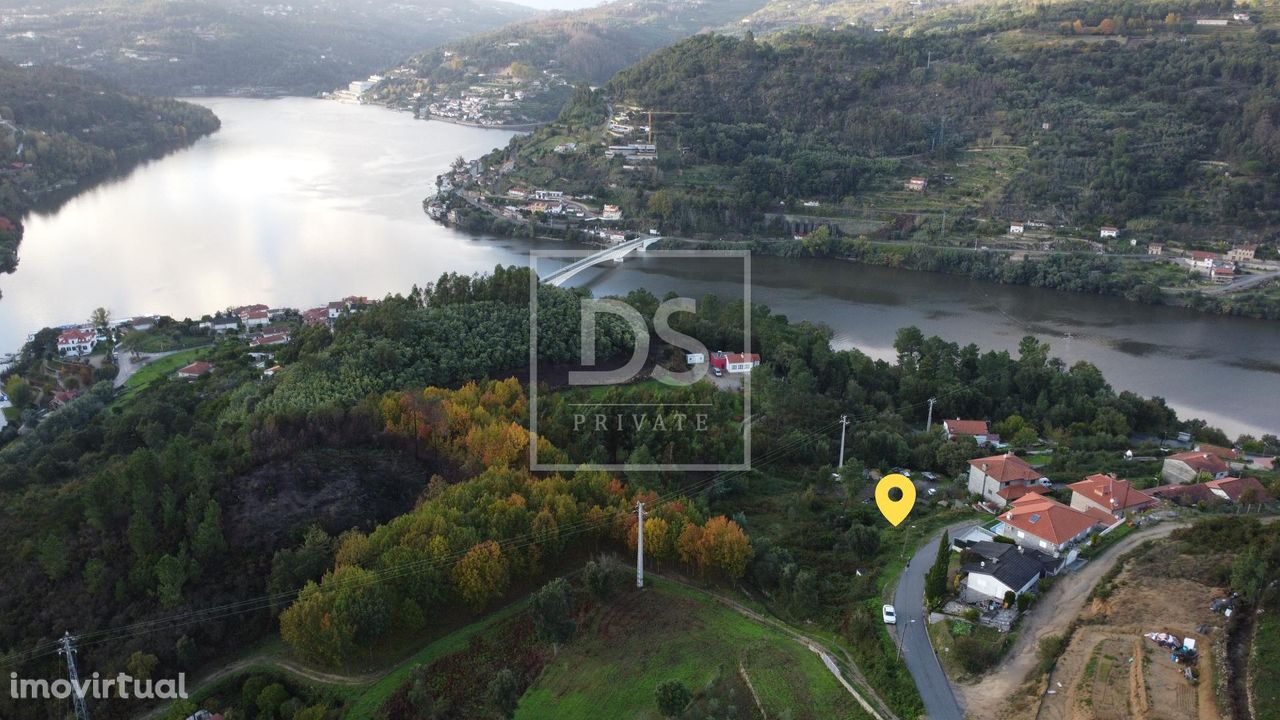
(298, 201)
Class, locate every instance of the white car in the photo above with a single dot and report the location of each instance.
(890, 615)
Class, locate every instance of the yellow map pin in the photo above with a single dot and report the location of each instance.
(895, 511)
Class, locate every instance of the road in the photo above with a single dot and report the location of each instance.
(940, 701)
(129, 365)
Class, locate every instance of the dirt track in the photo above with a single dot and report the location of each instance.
(1049, 616)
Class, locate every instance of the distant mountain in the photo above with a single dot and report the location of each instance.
(523, 72)
(60, 129)
(235, 46)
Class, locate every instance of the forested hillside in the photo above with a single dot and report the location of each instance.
(547, 55)
(61, 128)
(222, 46)
(141, 519)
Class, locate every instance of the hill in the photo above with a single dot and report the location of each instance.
(60, 129)
(523, 72)
(1066, 118)
(229, 46)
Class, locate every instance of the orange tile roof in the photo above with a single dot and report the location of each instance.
(1046, 518)
(966, 427)
(1005, 468)
(1202, 462)
(1107, 491)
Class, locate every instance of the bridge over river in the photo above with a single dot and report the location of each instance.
(614, 252)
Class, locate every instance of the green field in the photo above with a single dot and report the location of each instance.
(163, 367)
(612, 667)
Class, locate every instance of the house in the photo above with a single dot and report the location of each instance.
(1227, 454)
(1203, 260)
(916, 184)
(994, 569)
(976, 429)
(1001, 479)
(224, 323)
(1186, 467)
(1108, 495)
(76, 342)
(1106, 231)
(1155, 249)
(1216, 22)
(271, 371)
(1044, 524)
(1222, 275)
(611, 212)
(1241, 253)
(195, 370)
(255, 318)
(244, 309)
(265, 340)
(143, 322)
(1016, 228)
(63, 397)
(316, 316)
(1247, 491)
(734, 362)
(556, 195)
(1243, 17)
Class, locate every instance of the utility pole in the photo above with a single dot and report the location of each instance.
(929, 423)
(640, 545)
(68, 650)
(844, 424)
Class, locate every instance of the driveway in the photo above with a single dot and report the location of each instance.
(940, 701)
(129, 366)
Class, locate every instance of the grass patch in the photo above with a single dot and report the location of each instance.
(161, 368)
(1265, 668)
(640, 639)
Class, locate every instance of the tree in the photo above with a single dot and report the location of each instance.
(270, 700)
(552, 608)
(935, 581)
(20, 392)
(503, 693)
(208, 541)
(673, 697)
(171, 575)
(481, 575)
(101, 318)
(141, 665)
(601, 577)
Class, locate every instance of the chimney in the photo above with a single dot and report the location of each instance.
(983, 564)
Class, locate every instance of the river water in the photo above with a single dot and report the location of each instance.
(298, 201)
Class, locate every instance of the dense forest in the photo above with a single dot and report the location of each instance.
(60, 129)
(203, 46)
(192, 513)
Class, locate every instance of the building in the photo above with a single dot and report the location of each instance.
(316, 316)
(1245, 491)
(271, 371)
(1016, 228)
(994, 569)
(1214, 22)
(1222, 275)
(255, 318)
(143, 322)
(1044, 524)
(976, 429)
(1241, 253)
(224, 323)
(195, 370)
(267, 339)
(611, 212)
(1155, 249)
(76, 342)
(1186, 467)
(556, 195)
(1227, 454)
(1001, 479)
(1203, 260)
(1106, 231)
(916, 184)
(1106, 494)
(734, 362)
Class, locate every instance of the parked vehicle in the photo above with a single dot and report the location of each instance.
(890, 615)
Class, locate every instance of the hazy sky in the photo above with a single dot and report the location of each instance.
(558, 4)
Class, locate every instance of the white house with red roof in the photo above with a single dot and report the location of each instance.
(1109, 495)
(1001, 479)
(278, 338)
(1107, 231)
(1044, 524)
(1186, 467)
(976, 429)
(76, 342)
(734, 362)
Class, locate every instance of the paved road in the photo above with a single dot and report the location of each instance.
(940, 701)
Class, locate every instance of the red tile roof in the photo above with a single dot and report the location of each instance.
(199, 367)
(1202, 255)
(966, 427)
(1046, 519)
(1234, 488)
(736, 358)
(1222, 452)
(1005, 468)
(270, 339)
(75, 336)
(1202, 462)
(1013, 492)
(1107, 491)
